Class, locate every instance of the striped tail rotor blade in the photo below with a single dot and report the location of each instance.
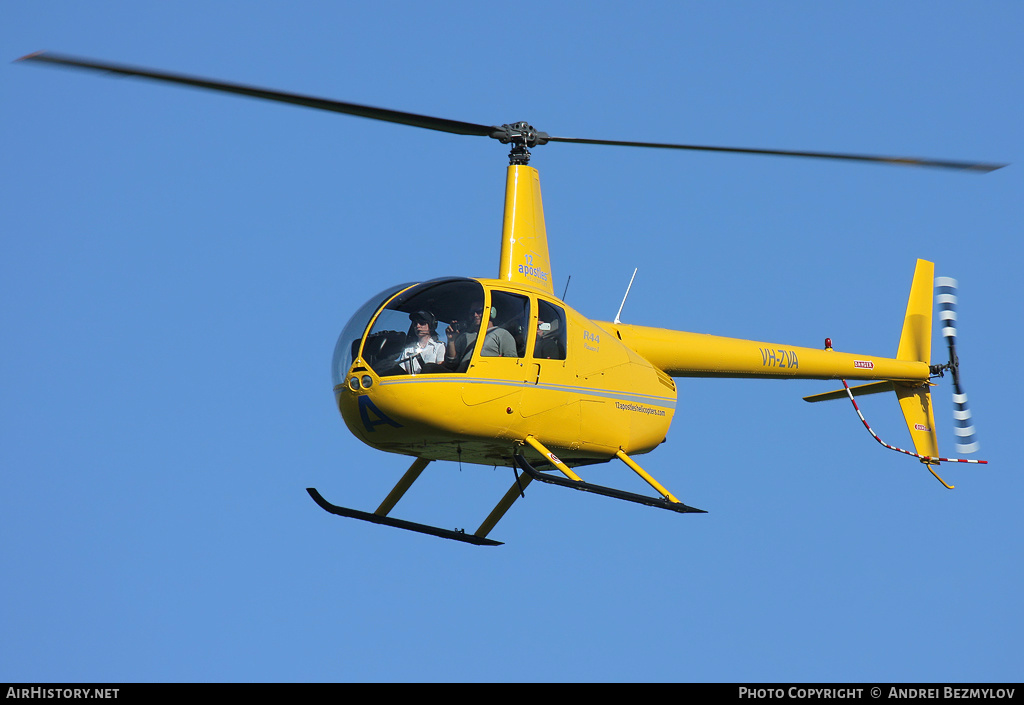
(945, 297)
(963, 426)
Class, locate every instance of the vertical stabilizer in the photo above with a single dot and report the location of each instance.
(916, 404)
(916, 340)
(916, 345)
(524, 239)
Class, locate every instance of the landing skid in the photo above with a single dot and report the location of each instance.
(658, 502)
(479, 537)
(400, 523)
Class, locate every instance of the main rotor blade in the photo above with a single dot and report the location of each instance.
(425, 121)
(902, 161)
(458, 127)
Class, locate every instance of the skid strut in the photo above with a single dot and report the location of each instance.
(571, 479)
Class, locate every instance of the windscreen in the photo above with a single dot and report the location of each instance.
(428, 329)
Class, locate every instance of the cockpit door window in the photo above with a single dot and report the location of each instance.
(550, 342)
(507, 326)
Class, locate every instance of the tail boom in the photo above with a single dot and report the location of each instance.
(681, 354)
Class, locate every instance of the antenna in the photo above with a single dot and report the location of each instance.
(566, 287)
(624, 297)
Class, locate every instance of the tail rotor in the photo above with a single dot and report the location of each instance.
(946, 299)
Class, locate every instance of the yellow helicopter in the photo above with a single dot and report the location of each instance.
(502, 372)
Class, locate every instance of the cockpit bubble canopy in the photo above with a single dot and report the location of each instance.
(450, 301)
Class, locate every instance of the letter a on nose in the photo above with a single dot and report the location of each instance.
(366, 407)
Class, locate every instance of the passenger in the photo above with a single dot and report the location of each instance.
(549, 341)
(461, 338)
(498, 342)
(424, 351)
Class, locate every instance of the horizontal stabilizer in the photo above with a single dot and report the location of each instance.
(859, 390)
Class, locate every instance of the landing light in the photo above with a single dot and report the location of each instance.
(367, 381)
(353, 384)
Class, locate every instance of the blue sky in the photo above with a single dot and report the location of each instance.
(178, 264)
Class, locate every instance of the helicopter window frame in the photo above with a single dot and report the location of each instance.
(350, 342)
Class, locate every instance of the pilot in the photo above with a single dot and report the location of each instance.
(423, 349)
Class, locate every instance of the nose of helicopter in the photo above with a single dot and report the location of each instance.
(378, 414)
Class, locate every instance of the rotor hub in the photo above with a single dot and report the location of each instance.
(522, 136)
